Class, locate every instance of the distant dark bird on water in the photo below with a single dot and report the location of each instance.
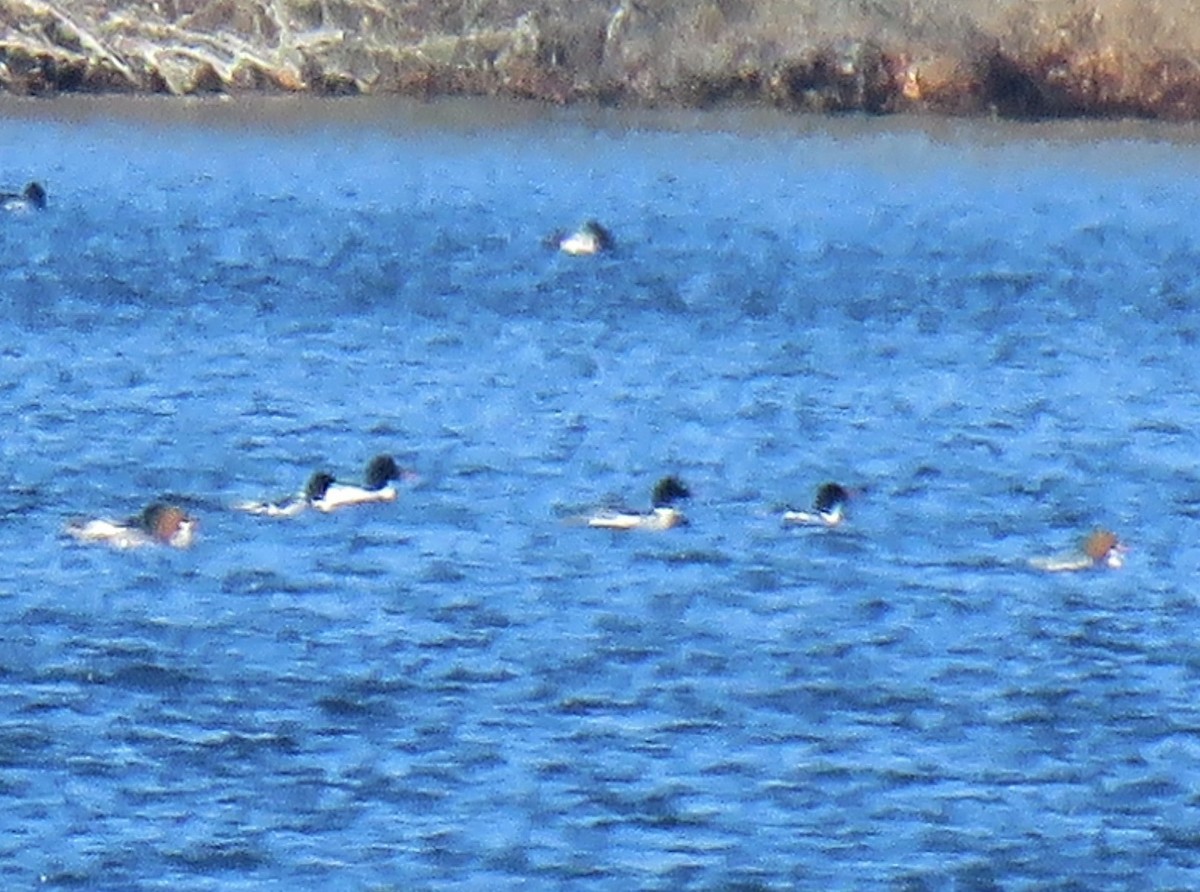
(590, 238)
(828, 509)
(32, 199)
(663, 514)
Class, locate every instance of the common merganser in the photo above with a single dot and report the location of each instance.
(32, 199)
(324, 493)
(159, 524)
(591, 238)
(662, 516)
(829, 507)
(1100, 549)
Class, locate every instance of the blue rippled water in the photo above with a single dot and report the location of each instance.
(989, 330)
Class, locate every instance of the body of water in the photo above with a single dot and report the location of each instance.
(987, 330)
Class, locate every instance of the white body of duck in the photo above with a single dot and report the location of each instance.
(663, 514)
(159, 524)
(591, 238)
(657, 520)
(342, 495)
(1101, 549)
(829, 508)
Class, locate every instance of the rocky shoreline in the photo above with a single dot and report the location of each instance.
(1057, 58)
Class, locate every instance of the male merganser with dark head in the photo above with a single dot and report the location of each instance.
(663, 514)
(1101, 549)
(324, 493)
(159, 524)
(32, 199)
(829, 507)
(591, 238)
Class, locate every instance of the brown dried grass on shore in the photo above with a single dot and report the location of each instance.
(1018, 58)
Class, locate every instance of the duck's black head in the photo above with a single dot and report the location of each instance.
(380, 470)
(829, 497)
(35, 195)
(603, 237)
(318, 485)
(668, 491)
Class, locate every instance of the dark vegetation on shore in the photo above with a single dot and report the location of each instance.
(1035, 58)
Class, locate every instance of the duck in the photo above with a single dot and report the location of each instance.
(291, 506)
(327, 494)
(663, 514)
(1102, 548)
(829, 508)
(324, 493)
(159, 524)
(590, 238)
(33, 198)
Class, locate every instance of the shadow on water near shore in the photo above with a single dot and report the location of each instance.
(295, 114)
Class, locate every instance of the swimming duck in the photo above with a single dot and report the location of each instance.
(292, 505)
(32, 199)
(591, 238)
(159, 524)
(324, 493)
(829, 507)
(663, 514)
(1100, 549)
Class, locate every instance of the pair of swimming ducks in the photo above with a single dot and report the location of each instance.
(828, 509)
(590, 238)
(1100, 549)
(163, 524)
(170, 525)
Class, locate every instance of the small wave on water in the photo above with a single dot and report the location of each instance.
(983, 331)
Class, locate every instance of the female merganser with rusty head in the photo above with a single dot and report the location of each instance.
(159, 524)
(663, 514)
(591, 238)
(829, 507)
(324, 493)
(1101, 549)
(32, 199)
